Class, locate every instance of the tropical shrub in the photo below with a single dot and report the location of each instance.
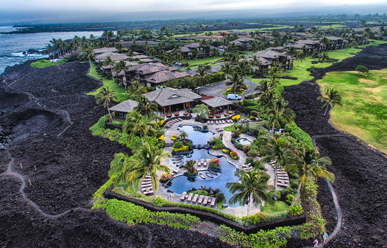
(250, 109)
(225, 151)
(165, 177)
(256, 218)
(214, 161)
(236, 118)
(290, 199)
(246, 148)
(299, 134)
(278, 194)
(295, 210)
(249, 103)
(162, 138)
(234, 155)
(254, 113)
(217, 143)
(181, 149)
(252, 117)
(174, 137)
(220, 197)
(256, 127)
(253, 152)
(249, 160)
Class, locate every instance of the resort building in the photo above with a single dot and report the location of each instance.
(245, 42)
(169, 99)
(186, 51)
(307, 46)
(216, 104)
(273, 57)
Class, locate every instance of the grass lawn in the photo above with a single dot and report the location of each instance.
(106, 82)
(279, 206)
(192, 62)
(364, 110)
(332, 26)
(229, 128)
(43, 63)
(300, 71)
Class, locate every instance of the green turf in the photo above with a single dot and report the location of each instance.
(300, 69)
(279, 206)
(334, 26)
(202, 61)
(43, 63)
(364, 111)
(106, 82)
(229, 128)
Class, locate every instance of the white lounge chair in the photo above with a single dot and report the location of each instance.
(200, 199)
(196, 196)
(205, 162)
(183, 196)
(190, 197)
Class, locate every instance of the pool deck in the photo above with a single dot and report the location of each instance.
(174, 197)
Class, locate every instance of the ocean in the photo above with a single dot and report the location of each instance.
(12, 46)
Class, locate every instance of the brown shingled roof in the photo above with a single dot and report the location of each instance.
(163, 76)
(169, 96)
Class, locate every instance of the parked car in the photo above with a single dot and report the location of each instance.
(233, 97)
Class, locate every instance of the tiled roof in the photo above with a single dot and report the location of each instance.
(145, 69)
(105, 50)
(163, 76)
(169, 96)
(217, 102)
(126, 106)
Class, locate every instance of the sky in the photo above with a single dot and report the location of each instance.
(57, 11)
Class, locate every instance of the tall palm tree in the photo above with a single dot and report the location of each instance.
(331, 98)
(214, 52)
(278, 111)
(311, 165)
(201, 73)
(106, 95)
(315, 56)
(109, 62)
(195, 53)
(244, 68)
(134, 124)
(183, 135)
(266, 100)
(323, 57)
(120, 167)
(252, 189)
(236, 81)
(300, 57)
(145, 107)
(226, 68)
(136, 90)
(148, 161)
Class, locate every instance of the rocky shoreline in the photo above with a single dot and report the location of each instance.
(60, 165)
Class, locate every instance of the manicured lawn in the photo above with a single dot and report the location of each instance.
(192, 62)
(43, 63)
(364, 111)
(332, 26)
(106, 82)
(229, 128)
(279, 206)
(300, 71)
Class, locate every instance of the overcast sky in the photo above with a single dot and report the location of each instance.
(82, 10)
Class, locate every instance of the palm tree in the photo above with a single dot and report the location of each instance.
(88, 53)
(266, 100)
(145, 107)
(195, 53)
(312, 166)
(214, 52)
(236, 81)
(134, 124)
(183, 136)
(120, 167)
(201, 73)
(109, 62)
(106, 95)
(252, 188)
(323, 57)
(244, 68)
(148, 161)
(226, 68)
(300, 57)
(136, 90)
(278, 111)
(332, 97)
(315, 56)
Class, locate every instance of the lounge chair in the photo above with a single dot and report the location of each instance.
(213, 201)
(200, 199)
(205, 162)
(223, 121)
(205, 200)
(196, 196)
(148, 192)
(183, 196)
(190, 197)
(200, 162)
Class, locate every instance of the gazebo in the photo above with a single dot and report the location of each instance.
(120, 110)
(216, 102)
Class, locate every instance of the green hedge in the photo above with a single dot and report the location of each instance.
(248, 103)
(132, 214)
(299, 134)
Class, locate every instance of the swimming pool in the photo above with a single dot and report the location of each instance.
(183, 183)
(243, 141)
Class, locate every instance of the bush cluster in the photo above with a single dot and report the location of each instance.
(299, 134)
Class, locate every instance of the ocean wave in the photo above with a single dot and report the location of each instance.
(27, 55)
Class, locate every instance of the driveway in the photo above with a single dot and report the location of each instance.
(215, 90)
